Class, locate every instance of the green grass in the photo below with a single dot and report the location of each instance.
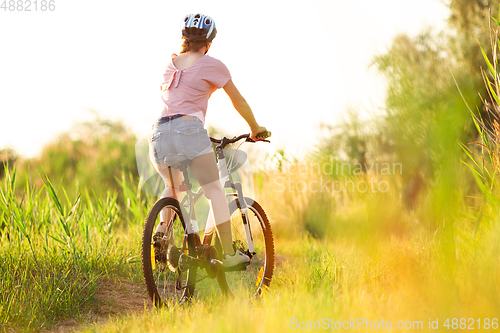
(342, 256)
(392, 264)
(395, 280)
(53, 252)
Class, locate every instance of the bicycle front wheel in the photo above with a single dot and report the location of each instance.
(165, 280)
(250, 282)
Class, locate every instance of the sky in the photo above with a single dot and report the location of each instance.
(297, 63)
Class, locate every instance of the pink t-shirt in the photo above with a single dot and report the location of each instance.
(186, 91)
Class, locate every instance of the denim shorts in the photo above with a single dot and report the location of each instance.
(178, 140)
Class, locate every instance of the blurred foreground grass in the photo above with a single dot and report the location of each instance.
(388, 277)
(368, 257)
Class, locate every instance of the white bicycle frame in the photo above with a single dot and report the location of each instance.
(224, 179)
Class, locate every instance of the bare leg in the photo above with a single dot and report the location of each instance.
(209, 229)
(177, 177)
(205, 170)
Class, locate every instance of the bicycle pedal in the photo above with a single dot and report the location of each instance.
(212, 267)
(216, 263)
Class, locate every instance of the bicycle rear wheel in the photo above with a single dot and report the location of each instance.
(165, 281)
(250, 282)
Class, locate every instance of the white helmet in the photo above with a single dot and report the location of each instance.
(205, 27)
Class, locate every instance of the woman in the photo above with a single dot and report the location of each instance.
(189, 80)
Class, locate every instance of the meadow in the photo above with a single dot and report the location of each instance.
(388, 223)
(344, 257)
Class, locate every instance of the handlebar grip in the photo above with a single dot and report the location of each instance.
(263, 135)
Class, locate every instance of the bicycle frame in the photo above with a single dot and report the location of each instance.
(190, 199)
(178, 249)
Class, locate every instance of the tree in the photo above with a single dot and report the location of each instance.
(425, 114)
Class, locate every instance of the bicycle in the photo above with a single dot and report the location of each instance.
(171, 260)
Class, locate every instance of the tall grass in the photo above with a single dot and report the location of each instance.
(341, 256)
(408, 280)
(54, 251)
(483, 154)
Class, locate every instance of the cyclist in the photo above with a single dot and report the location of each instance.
(178, 135)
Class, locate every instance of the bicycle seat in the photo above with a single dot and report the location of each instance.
(182, 165)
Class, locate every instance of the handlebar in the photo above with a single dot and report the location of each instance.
(225, 141)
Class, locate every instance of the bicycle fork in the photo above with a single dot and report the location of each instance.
(226, 183)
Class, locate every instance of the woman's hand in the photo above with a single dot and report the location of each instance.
(255, 131)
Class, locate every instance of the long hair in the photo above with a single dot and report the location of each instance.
(195, 46)
(196, 43)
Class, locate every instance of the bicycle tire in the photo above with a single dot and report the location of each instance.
(240, 284)
(184, 282)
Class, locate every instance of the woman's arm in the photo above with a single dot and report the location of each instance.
(241, 105)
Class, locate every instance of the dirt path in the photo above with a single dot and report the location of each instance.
(117, 298)
(114, 298)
